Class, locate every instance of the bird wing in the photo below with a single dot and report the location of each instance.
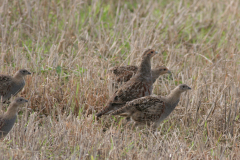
(143, 104)
(132, 90)
(149, 111)
(16, 88)
(122, 73)
(5, 85)
(142, 110)
(1, 123)
(126, 76)
(122, 69)
(128, 92)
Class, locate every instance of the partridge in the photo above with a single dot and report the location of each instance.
(8, 119)
(120, 74)
(150, 109)
(139, 85)
(158, 71)
(10, 86)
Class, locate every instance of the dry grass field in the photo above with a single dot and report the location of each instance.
(70, 44)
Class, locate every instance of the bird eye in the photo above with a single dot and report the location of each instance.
(183, 86)
(165, 69)
(151, 51)
(20, 99)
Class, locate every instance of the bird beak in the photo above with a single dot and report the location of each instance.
(29, 73)
(189, 88)
(169, 72)
(156, 52)
(26, 100)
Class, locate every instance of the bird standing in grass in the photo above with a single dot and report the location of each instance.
(120, 74)
(152, 110)
(10, 86)
(138, 86)
(8, 119)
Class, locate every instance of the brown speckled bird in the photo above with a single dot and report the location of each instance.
(10, 86)
(8, 119)
(138, 86)
(152, 109)
(120, 74)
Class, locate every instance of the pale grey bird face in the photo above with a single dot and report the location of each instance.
(163, 70)
(184, 87)
(20, 100)
(24, 72)
(149, 53)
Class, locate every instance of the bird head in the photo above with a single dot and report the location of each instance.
(149, 53)
(163, 70)
(19, 101)
(23, 72)
(184, 87)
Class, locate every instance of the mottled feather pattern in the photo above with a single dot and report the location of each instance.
(150, 113)
(143, 109)
(152, 109)
(135, 89)
(121, 74)
(146, 102)
(10, 87)
(139, 86)
(129, 92)
(125, 77)
(5, 78)
(5, 84)
(110, 107)
(1, 122)
(122, 69)
(132, 90)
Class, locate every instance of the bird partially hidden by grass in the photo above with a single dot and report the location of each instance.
(138, 86)
(11, 86)
(152, 110)
(8, 119)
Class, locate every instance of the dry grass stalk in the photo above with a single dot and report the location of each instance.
(69, 45)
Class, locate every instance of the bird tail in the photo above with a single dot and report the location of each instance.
(109, 109)
(99, 114)
(124, 111)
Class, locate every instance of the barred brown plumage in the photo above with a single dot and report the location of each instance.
(120, 74)
(152, 110)
(138, 86)
(10, 86)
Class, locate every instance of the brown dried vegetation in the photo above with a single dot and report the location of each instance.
(69, 45)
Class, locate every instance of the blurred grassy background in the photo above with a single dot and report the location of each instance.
(69, 45)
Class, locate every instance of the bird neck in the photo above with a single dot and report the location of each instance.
(11, 111)
(145, 67)
(174, 96)
(18, 76)
(155, 74)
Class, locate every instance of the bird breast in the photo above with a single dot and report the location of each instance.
(7, 126)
